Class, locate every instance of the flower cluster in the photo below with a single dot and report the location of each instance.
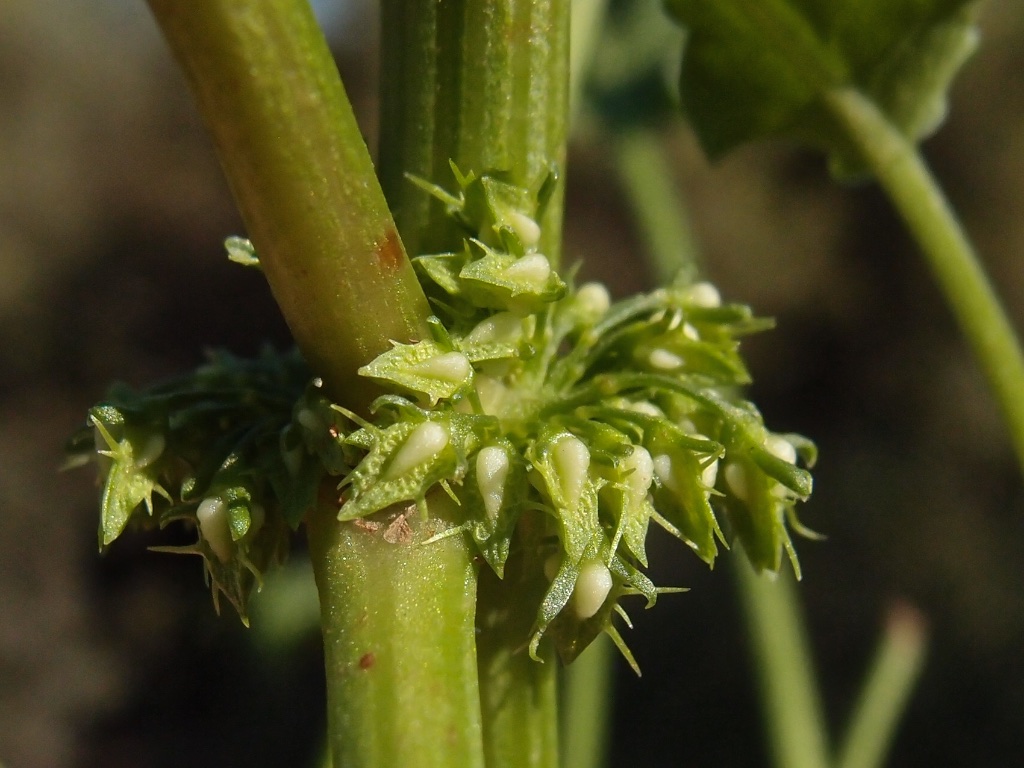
(561, 423)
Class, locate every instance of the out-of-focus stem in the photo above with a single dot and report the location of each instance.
(657, 205)
(518, 695)
(897, 664)
(791, 704)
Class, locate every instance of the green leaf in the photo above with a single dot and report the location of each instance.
(756, 68)
(131, 479)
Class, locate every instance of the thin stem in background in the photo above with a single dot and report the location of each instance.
(792, 707)
(656, 203)
(903, 174)
(894, 671)
(588, 17)
(270, 94)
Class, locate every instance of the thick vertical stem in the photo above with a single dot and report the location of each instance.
(271, 96)
(518, 695)
(399, 642)
(483, 83)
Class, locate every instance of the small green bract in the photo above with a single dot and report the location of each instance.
(563, 424)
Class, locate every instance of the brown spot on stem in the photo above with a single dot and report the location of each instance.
(399, 531)
(367, 660)
(389, 251)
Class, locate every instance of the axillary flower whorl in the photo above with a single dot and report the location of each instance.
(562, 423)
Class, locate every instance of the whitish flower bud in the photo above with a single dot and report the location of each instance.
(703, 295)
(526, 229)
(640, 467)
(780, 448)
(591, 590)
(532, 271)
(215, 527)
(736, 479)
(645, 407)
(504, 328)
(492, 467)
(709, 475)
(551, 566)
(453, 367)
(690, 332)
(571, 460)
(662, 464)
(594, 300)
(425, 442)
(664, 360)
(493, 394)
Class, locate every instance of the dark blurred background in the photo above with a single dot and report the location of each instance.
(112, 215)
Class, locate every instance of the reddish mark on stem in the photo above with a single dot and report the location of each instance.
(389, 251)
(367, 660)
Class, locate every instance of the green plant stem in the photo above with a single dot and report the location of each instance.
(586, 706)
(299, 169)
(399, 639)
(518, 695)
(903, 174)
(483, 83)
(655, 201)
(588, 17)
(897, 664)
(791, 703)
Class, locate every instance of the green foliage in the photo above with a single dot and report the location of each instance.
(234, 449)
(755, 68)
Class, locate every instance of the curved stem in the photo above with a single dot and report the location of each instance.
(399, 644)
(299, 169)
(903, 174)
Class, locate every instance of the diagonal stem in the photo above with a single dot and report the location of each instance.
(270, 93)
